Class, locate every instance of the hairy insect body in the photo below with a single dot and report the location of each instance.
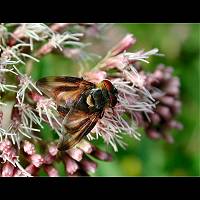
(80, 103)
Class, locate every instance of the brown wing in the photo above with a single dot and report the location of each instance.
(64, 90)
(77, 124)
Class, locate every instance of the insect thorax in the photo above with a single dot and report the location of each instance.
(92, 100)
(98, 98)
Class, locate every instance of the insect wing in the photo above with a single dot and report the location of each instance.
(76, 125)
(63, 89)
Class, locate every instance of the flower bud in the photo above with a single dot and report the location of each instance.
(37, 160)
(164, 112)
(153, 134)
(174, 124)
(75, 153)
(101, 155)
(96, 76)
(7, 169)
(123, 45)
(167, 100)
(70, 165)
(48, 159)
(29, 148)
(51, 171)
(88, 166)
(53, 150)
(32, 169)
(85, 146)
(155, 118)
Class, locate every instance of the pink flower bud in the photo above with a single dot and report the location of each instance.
(51, 171)
(48, 159)
(115, 62)
(174, 124)
(155, 119)
(7, 169)
(171, 90)
(95, 77)
(17, 34)
(85, 146)
(167, 76)
(29, 148)
(169, 70)
(79, 172)
(153, 134)
(175, 82)
(158, 74)
(5, 145)
(58, 26)
(75, 153)
(176, 106)
(138, 118)
(123, 45)
(45, 49)
(151, 80)
(167, 100)
(88, 166)
(101, 155)
(53, 150)
(37, 160)
(164, 112)
(32, 169)
(70, 165)
(17, 173)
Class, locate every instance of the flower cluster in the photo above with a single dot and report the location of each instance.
(165, 89)
(133, 96)
(149, 100)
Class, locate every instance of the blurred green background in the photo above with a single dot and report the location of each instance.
(181, 45)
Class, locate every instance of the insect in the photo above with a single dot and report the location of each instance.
(80, 102)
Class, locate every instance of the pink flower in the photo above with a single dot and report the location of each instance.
(95, 76)
(75, 153)
(70, 165)
(8, 152)
(51, 171)
(37, 160)
(85, 146)
(24, 117)
(7, 169)
(101, 155)
(118, 62)
(48, 159)
(5, 145)
(31, 169)
(89, 166)
(123, 45)
(29, 148)
(53, 150)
